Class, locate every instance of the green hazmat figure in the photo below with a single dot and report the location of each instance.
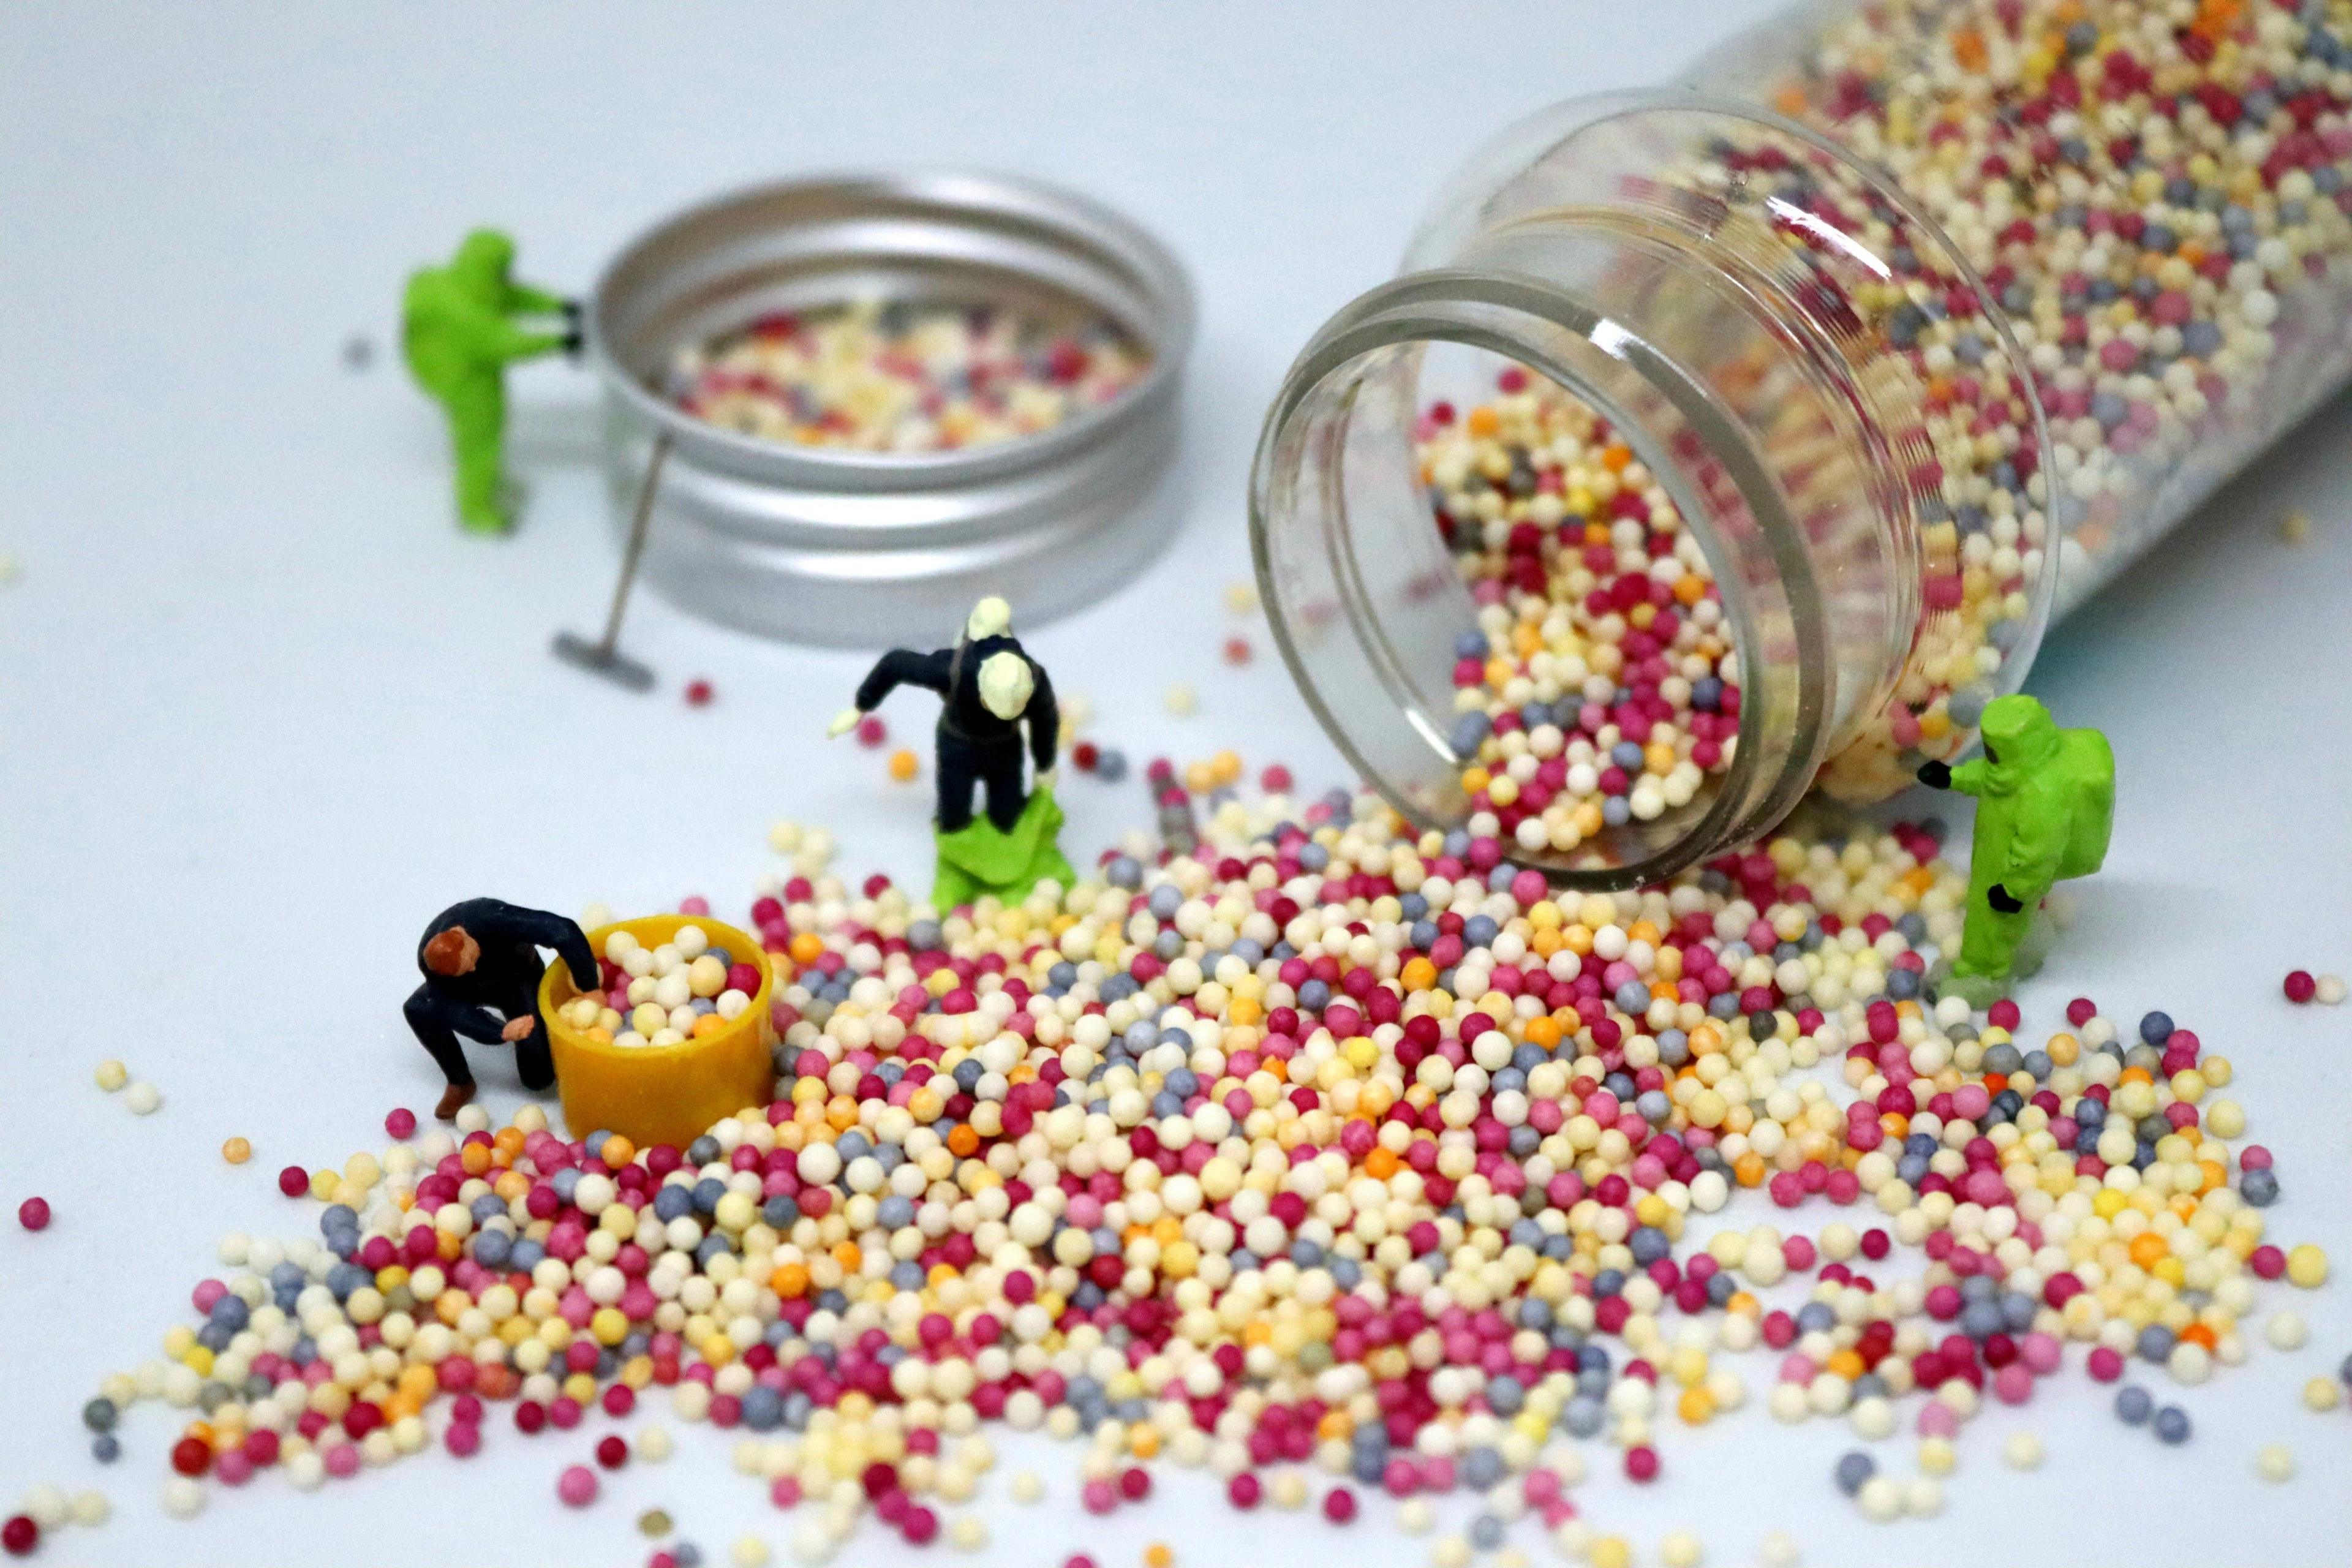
(2045, 805)
(459, 335)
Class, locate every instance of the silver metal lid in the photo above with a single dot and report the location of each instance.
(829, 545)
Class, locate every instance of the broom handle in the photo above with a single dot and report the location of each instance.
(637, 545)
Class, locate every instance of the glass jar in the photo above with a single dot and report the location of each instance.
(1816, 383)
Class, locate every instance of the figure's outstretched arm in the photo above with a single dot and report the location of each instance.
(902, 667)
(492, 336)
(537, 301)
(1969, 778)
(514, 344)
(543, 929)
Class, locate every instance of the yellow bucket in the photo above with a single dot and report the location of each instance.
(662, 1094)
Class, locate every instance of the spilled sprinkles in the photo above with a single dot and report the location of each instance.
(1349, 1165)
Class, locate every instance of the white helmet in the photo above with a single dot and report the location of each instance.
(1005, 684)
(990, 617)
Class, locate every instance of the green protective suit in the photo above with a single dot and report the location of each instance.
(2045, 804)
(458, 334)
(982, 857)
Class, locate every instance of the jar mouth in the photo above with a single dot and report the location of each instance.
(942, 236)
(1597, 360)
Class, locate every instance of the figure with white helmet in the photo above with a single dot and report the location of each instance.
(989, 689)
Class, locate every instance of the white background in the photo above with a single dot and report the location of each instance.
(263, 709)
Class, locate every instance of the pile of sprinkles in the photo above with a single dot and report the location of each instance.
(1600, 686)
(1342, 1163)
(896, 376)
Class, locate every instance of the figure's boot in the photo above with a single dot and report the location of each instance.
(1996, 953)
(1979, 990)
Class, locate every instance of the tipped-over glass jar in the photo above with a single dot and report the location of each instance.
(1723, 442)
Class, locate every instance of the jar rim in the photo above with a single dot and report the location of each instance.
(982, 229)
(1421, 309)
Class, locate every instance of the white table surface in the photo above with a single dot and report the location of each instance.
(263, 709)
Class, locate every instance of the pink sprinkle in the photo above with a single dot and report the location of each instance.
(344, 1460)
(576, 1486)
(401, 1122)
(1936, 1420)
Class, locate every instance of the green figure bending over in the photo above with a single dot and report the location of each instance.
(2045, 804)
(457, 332)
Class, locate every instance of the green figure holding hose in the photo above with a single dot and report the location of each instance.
(458, 333)
(2045, 805)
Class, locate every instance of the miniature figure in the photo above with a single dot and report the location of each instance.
(482, 971)
(459, 335)
(2046, 803)
(988, 689)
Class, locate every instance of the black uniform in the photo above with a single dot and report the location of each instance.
(975, 746)
(506, 977)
